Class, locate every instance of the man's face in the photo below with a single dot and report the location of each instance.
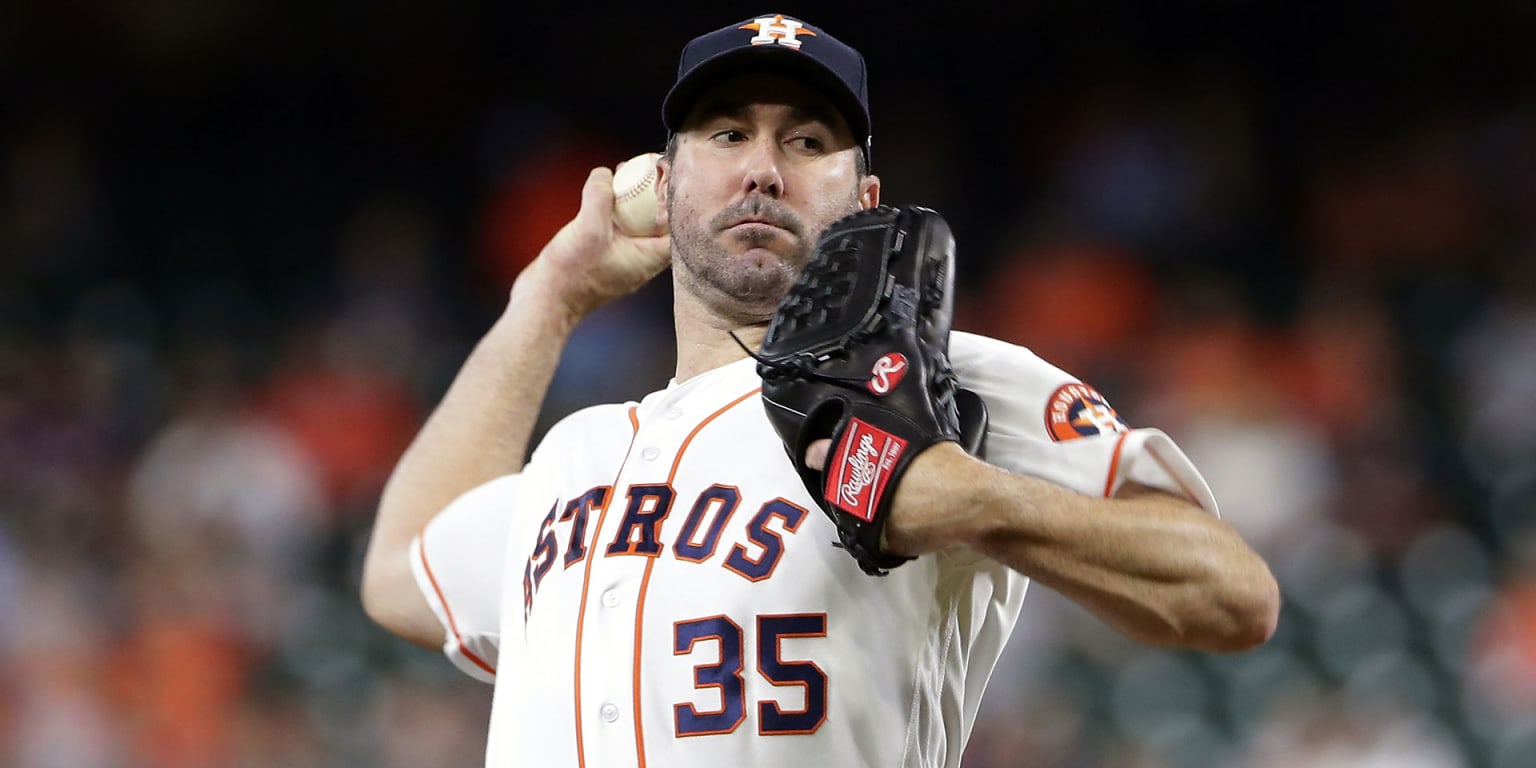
(762, 166)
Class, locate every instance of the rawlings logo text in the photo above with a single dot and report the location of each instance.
(861, 470)
(861, 467)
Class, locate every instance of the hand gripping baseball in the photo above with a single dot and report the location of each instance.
(857, 353)
(590, 261)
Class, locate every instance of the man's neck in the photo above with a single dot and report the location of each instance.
(704, 340)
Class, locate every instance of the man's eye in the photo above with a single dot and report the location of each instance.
(808, 143)
(730, 136)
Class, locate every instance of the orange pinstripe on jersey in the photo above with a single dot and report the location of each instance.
(586, 579)
(646, 579)
(453, 626)
(1114, 468)
(1114, 465)
(1162, 462)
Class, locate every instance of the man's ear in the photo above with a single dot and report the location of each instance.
(869, 191)
(663, 172)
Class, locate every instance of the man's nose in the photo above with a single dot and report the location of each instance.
(761, 174)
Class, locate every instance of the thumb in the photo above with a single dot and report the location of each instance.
(597, 195)
(816, 454)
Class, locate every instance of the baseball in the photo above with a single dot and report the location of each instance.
(634, 196)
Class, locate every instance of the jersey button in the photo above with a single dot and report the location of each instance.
(650, 453)
(611, 598)
(674, 413)
(609, 712)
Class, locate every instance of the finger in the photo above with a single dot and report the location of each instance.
(597, 194)
(816, 453)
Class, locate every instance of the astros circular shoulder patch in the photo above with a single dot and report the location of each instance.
(1077, 410)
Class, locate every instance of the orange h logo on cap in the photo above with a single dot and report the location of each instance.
(777, 29)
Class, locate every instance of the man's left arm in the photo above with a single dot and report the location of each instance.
(1151, 564)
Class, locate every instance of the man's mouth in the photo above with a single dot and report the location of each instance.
(758, 224)
(762, 218)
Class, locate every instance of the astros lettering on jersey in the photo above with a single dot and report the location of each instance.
(657, 588)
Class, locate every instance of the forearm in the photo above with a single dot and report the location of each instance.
(1154, 566)
(479, 431)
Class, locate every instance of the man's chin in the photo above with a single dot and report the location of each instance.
(763, 293)
(757, 290)
(749, 281)
(761, 259)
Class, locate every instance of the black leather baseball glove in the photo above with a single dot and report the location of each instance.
(858, 352)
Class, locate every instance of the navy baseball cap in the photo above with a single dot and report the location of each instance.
(773, 44)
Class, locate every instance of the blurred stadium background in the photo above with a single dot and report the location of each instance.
(244, 246)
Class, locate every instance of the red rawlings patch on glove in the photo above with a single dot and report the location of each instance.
(860, 468)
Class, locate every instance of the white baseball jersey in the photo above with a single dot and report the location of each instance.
(658, 588)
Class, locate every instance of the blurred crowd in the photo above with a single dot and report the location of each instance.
(240, 259)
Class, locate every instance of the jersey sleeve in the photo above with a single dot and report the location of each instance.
(1046, 423)
(458, 560)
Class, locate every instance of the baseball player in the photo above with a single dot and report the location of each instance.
(657, 584)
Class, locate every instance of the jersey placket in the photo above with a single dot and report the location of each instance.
(609, 681)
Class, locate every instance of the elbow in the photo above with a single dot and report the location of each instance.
(1252, 613)
(371, 594)
(1230, 613)
(382, 598)
(392, 600)
(383, 582)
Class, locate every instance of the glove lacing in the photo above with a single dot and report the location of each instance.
(802, 364)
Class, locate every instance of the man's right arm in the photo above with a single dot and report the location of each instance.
(481, 428)
(477, 433)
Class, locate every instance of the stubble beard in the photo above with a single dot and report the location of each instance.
(746, 288)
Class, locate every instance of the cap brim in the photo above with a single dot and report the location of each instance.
(770, 60)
